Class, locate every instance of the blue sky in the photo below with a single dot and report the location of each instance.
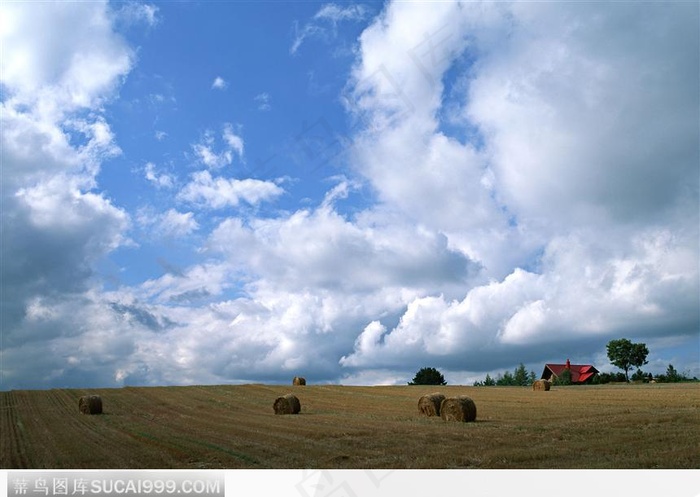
(230, 192)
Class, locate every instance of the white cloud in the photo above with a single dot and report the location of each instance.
(557, 208)
(263, 101)
(207, 279)
(561, 153)
(58, 206)
(233, 146)
(233, 141)
(336, 13)
(168, 224)
(61, 64)
(320, 249)
(219, 84)
(134, 13)
(60, 74)
(219, 192)
(579, 299)
(178, 224)
(599, 116)
(328, 14)
(210, 159)
(159, 180)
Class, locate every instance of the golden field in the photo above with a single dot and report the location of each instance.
(194, 427)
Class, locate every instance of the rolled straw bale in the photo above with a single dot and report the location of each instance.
(460, 408)
(542, 385)
(90, 404)
(298, 380)
(287, 404)
(429, 404)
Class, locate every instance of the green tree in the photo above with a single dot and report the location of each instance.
(624, 354)
(639, 375)
(533, 378)
(672, 375)
(520, 376)
(564, 378)
(428, 376)
(505, 380)
(488, 381)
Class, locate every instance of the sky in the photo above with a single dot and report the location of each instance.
(237, 192)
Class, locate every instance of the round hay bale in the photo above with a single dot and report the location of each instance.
(287, 404)
(542, 385)
(429, 404)
(90, 404)
(458, 409)
(298, 380)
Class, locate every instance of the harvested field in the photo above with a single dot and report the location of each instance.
(606, 426)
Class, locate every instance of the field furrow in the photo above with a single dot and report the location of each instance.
(13, 442)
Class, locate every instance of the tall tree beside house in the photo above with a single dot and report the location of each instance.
(565, 378)
(624, 354)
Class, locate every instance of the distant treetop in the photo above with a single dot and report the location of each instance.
(428, 376)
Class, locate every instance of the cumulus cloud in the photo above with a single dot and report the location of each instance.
(603, 119)
(55, 75)
(219, 192)
(54, 141)
(564, 171)
(534, 167)
(321, 249)
(580, 299)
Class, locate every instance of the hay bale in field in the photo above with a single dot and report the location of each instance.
(90, 404)
(543, 385)
(298, 380)
(460, 408)
(287, 404)
(429, 404)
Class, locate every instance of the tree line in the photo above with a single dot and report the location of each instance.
(622, 353)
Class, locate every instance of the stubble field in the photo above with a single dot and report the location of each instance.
(195, 427)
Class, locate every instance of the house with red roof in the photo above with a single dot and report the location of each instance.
(580, 373)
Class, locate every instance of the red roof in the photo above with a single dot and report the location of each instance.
(580, 373)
